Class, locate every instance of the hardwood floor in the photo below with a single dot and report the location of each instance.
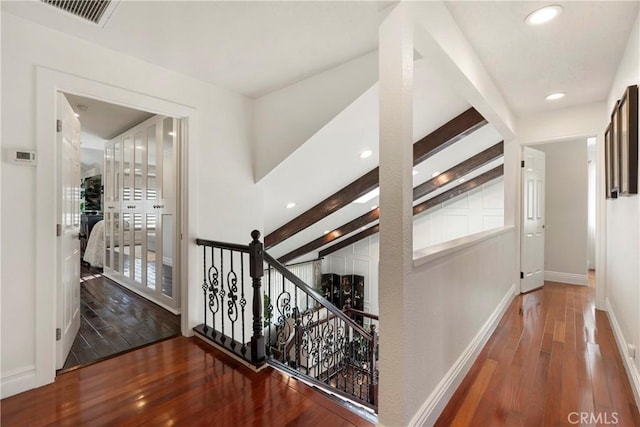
(114, 319)
(552, 360)
(180, 381)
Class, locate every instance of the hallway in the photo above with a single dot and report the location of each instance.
(552, 360)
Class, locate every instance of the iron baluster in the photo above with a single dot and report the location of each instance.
(243, 303)
(232, 311)
(204, 285)
(223, 337)
(214, 305)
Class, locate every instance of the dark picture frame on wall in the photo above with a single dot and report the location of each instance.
(627, 115)
(608, 164)
(615, 149)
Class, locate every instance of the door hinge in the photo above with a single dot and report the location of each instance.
(58, 125)
(521, 275)
(58, 230)
(58, 334)
(522, 163)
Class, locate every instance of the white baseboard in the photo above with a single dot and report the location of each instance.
(17, 381)
(629, 365)
(570, 278)
(439, 397)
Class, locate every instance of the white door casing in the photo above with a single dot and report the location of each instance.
(48, 83)
(533, 220)
(68, 229)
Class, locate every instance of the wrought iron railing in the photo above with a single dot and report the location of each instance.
(289, 325)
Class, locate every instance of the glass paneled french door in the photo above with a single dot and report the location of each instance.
(141, 170)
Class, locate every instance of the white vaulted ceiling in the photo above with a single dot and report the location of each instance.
(257, 47)
(250, 47)
(578, 52)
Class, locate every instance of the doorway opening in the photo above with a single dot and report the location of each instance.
(129, 217)
(568, 249)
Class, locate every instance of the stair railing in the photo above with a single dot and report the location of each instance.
(291, 325)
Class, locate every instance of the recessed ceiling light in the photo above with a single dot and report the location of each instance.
(542, 15)
(436, 173)
(365, 154)
(555, 96)
(290, 205)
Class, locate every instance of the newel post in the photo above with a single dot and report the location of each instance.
(256, 270)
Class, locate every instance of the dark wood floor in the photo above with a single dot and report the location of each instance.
(167, 272)
(181, 382)
(552, 357)
(114, 319)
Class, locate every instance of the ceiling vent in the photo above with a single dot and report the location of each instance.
(95, 11)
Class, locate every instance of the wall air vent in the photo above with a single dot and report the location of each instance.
(91, 10)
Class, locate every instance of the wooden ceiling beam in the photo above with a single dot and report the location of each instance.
(446, 135)
(441, 198)
(421, 190)
(459, 170)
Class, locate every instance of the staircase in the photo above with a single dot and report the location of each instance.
(256, 309)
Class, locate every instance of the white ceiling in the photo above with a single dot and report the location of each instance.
(330, 159)
(257, 47)
(578, 52)
(250, 47)
(101, 121)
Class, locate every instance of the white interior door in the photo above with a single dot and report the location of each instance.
(533, 225)
(68, 214)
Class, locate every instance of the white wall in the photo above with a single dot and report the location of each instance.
(223, 201)
(566, 213)
(561, 124)
(475, 211)
(452, 307)
(623, 235)
(360, 258)
(287, 118)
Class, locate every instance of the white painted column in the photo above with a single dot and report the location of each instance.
(396, 200)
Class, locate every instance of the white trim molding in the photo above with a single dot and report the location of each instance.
(48, 83)
(438, 399)
(627, 361)
(17, 381)
(570, 278)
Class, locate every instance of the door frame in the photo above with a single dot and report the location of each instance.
(48, 83)
(601, 220)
